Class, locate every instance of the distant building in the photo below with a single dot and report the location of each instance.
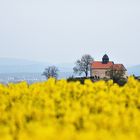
(99, 69)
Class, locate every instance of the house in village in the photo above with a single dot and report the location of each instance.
(100, 69)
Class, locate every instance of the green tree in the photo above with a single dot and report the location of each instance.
(118, 76)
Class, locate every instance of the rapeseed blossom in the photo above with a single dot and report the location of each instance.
(61, 110)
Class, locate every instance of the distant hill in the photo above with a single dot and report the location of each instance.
(134, 70)
(15, 61)
(13, 65)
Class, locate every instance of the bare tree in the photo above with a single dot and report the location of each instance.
(83, 65)
(51, 72)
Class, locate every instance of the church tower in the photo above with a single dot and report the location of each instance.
(105, 59)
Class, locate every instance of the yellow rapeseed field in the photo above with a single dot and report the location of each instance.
(70, 111)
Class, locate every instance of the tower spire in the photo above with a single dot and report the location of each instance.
(105, 59)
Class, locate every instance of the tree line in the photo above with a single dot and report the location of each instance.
(82, 67)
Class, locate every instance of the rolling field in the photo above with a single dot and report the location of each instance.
(70, 111)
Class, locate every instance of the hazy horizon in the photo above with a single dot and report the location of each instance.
(62, 31)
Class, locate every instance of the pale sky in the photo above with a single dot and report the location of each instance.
(59, 31)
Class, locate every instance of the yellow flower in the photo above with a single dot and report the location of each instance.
(70, 111)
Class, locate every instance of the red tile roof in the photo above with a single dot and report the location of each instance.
(100, 65)
(118, 67)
